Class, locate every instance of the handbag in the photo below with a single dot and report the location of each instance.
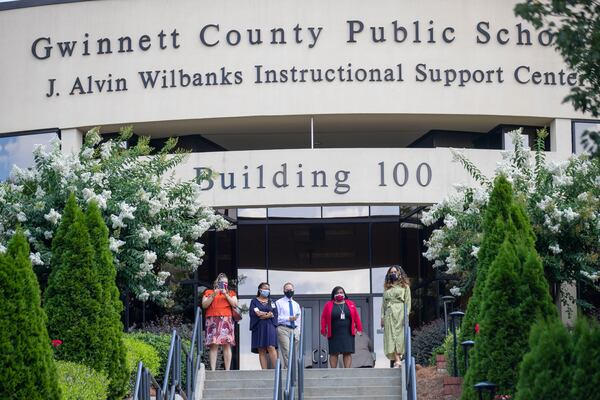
(236, 314)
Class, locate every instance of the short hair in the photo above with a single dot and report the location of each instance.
(261, 285)
(288, 283)
(334, 291)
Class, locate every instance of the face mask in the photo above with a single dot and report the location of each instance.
(265, 293)
(223, 285)
(393, 277)
(289, 293)
(338, 297)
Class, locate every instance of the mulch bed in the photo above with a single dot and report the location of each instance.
(430, 383)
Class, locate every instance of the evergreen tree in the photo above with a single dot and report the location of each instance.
(27, 370)
(586, 374)
(496, 213)
(515, 294)
(494, 357)
(546, 371)
(111, 335)
(73, 298)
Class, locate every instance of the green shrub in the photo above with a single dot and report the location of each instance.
(426, 339)
(497, 211)
(80, 382)
(586, 371)
(111, 334)
(27, 370)
(546, 371)
(448, 347)
(73, 298)
(161, 344)
(514, 296)
(136, 351)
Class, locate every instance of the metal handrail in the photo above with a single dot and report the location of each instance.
(172, 383)
(289, 384)
(300, 374)
(144, 380)
(277, 385)
(411, 376)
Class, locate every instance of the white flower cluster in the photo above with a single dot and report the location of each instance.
(151, 218)
(455, 291)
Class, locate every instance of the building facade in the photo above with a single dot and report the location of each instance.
(327, 126)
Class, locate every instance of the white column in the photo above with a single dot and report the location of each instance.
(561, 137)
(561, 142)
(71, 140)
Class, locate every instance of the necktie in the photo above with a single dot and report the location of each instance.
(292, 313)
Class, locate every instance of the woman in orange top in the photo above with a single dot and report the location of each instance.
(219, 322)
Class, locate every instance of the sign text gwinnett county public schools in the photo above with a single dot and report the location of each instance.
(215, 35)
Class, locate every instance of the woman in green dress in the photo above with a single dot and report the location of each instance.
(396, 293)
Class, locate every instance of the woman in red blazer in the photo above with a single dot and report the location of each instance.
(340, 322)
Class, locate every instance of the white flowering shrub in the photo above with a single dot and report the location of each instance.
(154, 219)
(562, 201)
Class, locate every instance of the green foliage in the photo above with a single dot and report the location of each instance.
(155, 221)
(426, 340)
(496, 213)
(561, 365)
(575, 27)
(448, 347)
(546, 370)
(586, 371)
(27, 369)
(515, 294)
(111, 333)
(137, 351)
(161, 343)
(561, 201)
(74, 299)
(80, 382)
(499, 346)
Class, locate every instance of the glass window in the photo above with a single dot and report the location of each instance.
(249, 279)
(251, 246)
(319, 282)
(309, 246)
(18, 150)
(385, 210)
(378, 277)
(294, 212)
(386, 243)
(579, 128)
(345, 211)
(251, 213)
(248, 360)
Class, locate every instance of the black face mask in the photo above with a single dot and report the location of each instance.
(289, 293)
(393, 277)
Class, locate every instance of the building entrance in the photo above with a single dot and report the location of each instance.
(316, 350)
(318, 248)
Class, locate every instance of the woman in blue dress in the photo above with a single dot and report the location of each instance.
(263, 324)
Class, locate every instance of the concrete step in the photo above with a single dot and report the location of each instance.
(320, 392)
(323, 384)
(312, 382)
(308, 373)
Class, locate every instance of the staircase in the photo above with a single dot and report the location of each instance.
(319, 384)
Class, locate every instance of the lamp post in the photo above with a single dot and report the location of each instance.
(467, 344)
(446, 300)
(455, 315)
(486, 387)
